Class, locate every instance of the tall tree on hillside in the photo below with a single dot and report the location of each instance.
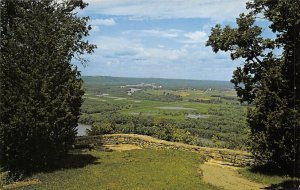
(40, 91)
(267, 80)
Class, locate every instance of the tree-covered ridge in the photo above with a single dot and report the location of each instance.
(100, 81)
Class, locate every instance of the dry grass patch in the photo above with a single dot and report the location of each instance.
(226, 176)
(122, 147)
(222, 164)
(184, 94)
(20, 184)
(159, 141)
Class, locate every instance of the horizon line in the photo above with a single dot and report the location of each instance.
(154, 78)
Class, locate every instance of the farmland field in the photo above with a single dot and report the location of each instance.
(205, 113)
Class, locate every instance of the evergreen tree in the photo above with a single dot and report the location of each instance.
(40, 91)
(268, 81)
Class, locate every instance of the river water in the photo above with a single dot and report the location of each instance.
(81, 129)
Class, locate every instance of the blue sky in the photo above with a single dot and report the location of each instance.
(159, 38)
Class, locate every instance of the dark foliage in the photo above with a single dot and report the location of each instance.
(268, 81)
(287, 185)
(40, 94)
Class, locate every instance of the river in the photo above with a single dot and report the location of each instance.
(81, 129)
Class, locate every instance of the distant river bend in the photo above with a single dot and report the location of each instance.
(81, 129)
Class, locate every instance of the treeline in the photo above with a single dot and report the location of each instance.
(225, 128)
(216, 99)
(207, 101)
(97, 81)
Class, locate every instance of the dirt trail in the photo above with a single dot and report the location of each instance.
(224, 175)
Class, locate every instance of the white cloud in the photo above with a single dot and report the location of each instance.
(195, 37)
(120, 56)
(218, 10)
(95, 28)
(120, 50)
(171, 33)
(104, 22)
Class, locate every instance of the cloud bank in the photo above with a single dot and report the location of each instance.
(159, 38)
(219, 10)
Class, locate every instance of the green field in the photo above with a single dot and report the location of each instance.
(130, 167)
(205, 113)
(135, 169)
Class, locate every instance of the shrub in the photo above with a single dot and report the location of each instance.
(100, 129)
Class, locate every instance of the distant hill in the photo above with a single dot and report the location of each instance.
(167, 83)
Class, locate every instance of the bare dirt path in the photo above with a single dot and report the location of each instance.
(224, 175)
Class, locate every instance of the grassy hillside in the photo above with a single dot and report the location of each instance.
(130, 167)
(135, 169)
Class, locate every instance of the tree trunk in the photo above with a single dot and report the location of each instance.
(297, 97)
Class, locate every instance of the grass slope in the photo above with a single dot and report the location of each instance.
(135, 169)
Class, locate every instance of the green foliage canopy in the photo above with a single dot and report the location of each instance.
(267, 80)
(40, 90)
